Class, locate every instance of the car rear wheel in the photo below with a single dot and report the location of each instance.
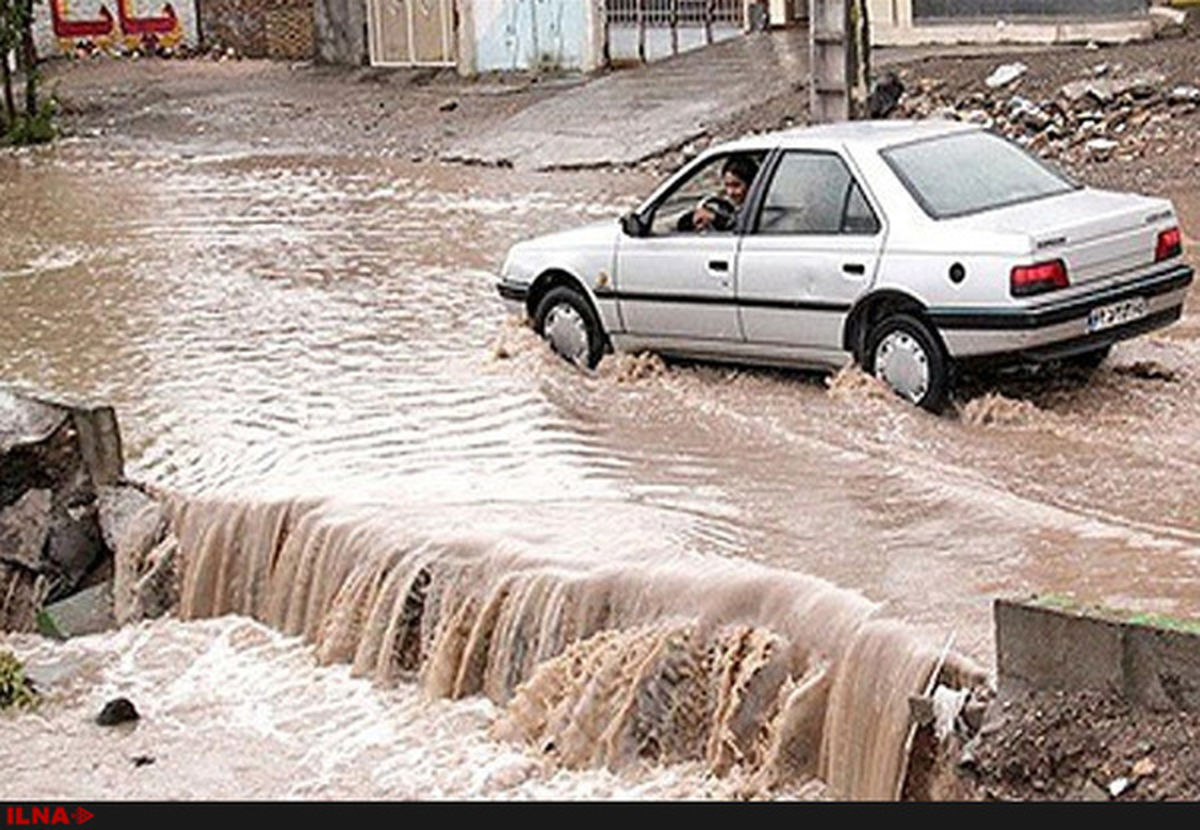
(564, 318)
(907, 356)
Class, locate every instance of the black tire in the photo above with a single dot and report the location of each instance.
(565, 300)
(923, 346)
(1088, 361)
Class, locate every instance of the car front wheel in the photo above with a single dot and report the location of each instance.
(907, 356)
(564, 318)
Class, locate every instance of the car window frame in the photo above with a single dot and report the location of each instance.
(753, 217)
(687, 173)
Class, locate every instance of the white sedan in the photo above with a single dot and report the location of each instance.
(909, 247)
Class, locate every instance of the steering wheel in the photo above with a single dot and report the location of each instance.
(724, 211)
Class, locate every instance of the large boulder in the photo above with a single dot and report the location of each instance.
(54, 458)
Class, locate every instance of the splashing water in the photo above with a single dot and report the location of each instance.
(599, 662)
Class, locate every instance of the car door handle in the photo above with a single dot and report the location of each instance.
(718, 265)
(855, 268)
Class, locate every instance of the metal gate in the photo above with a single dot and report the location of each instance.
(411, 32)
(650, 29)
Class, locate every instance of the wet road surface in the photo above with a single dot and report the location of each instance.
(275, 324)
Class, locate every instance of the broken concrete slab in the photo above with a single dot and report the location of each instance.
(1052, 643)
(88, 612)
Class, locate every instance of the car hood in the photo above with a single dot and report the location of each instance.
(595, 234)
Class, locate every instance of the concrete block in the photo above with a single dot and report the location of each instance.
(1045, 648)
(1048, 643)
(88, 612)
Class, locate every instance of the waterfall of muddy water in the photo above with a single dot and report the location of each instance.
(600, 662)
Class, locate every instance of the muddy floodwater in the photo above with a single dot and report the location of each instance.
(275, 326)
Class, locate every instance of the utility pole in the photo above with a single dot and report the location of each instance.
(839, 56)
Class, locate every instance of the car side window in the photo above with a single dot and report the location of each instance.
(709, 187)
(814, 193)
(684, 198)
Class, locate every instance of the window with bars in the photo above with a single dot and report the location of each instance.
(681, 12)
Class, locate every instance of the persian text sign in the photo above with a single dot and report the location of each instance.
(69, 26)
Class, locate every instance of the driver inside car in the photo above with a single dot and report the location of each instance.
(719, 212)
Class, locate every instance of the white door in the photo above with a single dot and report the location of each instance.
(675, 282)
(679, 287)
(808, 255)
(411, 32)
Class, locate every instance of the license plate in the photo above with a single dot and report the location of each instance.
(1116, 314)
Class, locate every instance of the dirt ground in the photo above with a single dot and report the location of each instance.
(1084, 746)
(1046, 746)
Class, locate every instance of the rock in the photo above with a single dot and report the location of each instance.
(1028, 113)
(53, 459)
(1005, 74)
(24, 526)
(1100, 70)
(116, 711)
(1101, 149)
(1140, 84)
(449, 105)
(1168, 22)
(1091, 791)
(1184, 95)
(1144, 768)
(1100, 90)
(1118, 786)
(979, 117)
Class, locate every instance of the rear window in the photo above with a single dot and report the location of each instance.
(971, 172)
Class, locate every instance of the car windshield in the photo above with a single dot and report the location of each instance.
(971, 172)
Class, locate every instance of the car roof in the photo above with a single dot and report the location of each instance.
(869, 135)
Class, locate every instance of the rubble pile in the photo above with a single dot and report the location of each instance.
(1109, 114)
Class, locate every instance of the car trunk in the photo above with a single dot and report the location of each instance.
(1099, 234)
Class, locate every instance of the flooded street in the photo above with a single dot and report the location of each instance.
(272, 326)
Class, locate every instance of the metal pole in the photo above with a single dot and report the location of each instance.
(674, 27)
(709, 8)
(641, 21)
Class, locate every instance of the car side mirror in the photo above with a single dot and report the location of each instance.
(633, 225)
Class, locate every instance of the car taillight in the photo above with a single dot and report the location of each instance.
(1170, 244)
(1034, 279)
